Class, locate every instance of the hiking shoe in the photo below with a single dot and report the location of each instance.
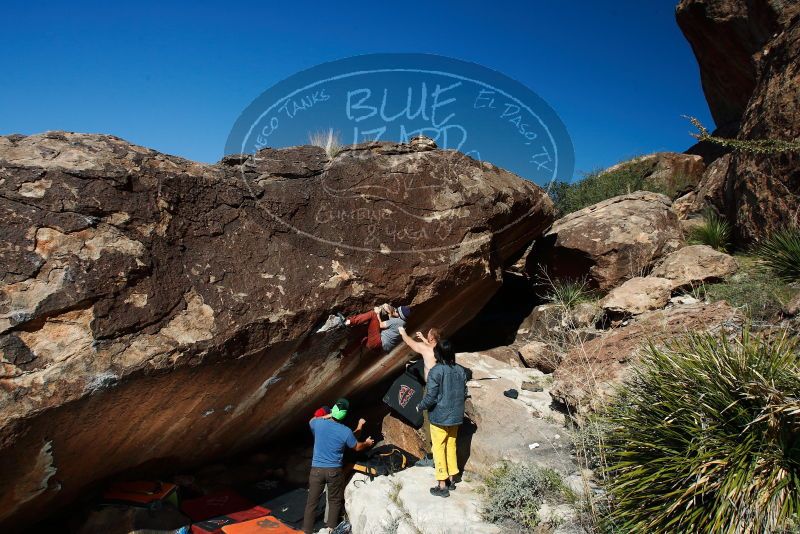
(436, 491)
(451, 486)
(333, 322)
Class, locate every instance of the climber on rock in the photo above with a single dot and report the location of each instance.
(383, 326)
(331, 438)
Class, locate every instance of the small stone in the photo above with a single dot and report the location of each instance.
(532, 386)
(684, 300)
(533, 446)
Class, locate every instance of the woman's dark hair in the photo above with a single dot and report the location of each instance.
(443, 351)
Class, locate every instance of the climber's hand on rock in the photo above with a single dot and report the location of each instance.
(369, 441)
(361, 423)
(420, 337)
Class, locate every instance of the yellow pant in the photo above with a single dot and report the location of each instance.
(443, 442)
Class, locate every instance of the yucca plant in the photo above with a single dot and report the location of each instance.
(705, 438)
(568, 293)
(781, 253)
(714, 232)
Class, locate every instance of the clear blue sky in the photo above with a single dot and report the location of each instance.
(174, 76)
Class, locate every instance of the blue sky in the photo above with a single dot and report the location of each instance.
(175, 76)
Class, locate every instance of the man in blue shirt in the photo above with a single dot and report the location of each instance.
(331, 438)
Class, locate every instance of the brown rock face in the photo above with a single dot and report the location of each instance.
(608, 242)
(726, 36)
(158, 311)
(589, 373)
(747, 51)
(765, 189)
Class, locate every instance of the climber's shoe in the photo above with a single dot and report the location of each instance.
(436, 491)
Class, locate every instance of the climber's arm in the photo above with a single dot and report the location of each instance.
(416, 346)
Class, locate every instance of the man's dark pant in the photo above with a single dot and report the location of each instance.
(334, 478)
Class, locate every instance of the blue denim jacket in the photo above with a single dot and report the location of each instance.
(446, 394)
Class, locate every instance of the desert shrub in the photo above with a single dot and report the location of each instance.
(714, 232)
(781, 252)
(568, 293)
(705, 437)
(753, 288)
(601, 185)
(327, 140)
(513, 493)
(598, 186)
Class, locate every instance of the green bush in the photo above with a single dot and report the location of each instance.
(599, 185)
(706, 438)
(753, 288)
(714, 232)
(568, 293)
(781, 252)
(513, 493)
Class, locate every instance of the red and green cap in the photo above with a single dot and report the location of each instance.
(339, 410)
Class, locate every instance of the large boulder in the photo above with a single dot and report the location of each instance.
(608, 242)
(637, 296)
(161, 312)
(694, 264)
(522, 429)
(747, 51)
(589, 373)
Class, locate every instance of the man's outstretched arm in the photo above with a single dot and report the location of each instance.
(416, 346)
(364, 445)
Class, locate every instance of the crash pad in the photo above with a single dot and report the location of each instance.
(220, 503)
(291, 506)
(257, 526)
(403, 397)
(145, 493)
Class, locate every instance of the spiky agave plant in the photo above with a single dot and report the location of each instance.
(706, 438)
(565, 292)
(714, 232)
(781, 253)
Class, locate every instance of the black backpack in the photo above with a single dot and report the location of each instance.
(382, 461)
